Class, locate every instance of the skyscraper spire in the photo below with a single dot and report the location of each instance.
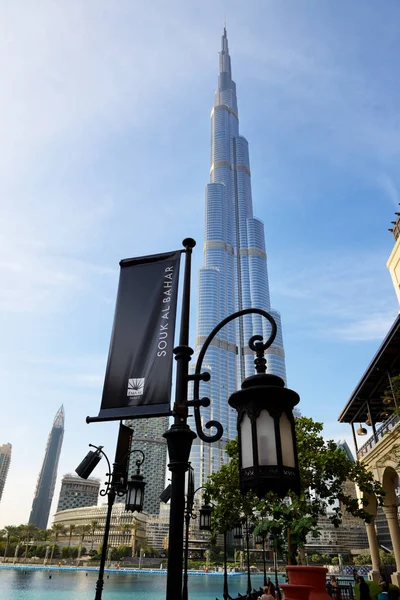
(48, 473)
(234, 275)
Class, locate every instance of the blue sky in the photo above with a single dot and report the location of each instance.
(104, 114)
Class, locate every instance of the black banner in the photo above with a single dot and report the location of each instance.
(139, 369)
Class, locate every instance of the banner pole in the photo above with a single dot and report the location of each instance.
(179, 440)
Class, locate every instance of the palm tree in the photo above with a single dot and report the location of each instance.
(8, 532)
(28, 532)
(71, 529)
(93, 527)
(82, 531)
(125, 528)
(57, 530)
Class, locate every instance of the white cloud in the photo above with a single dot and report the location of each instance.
(389, 187)
(345, 296)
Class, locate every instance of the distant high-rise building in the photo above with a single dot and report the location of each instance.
(48, 473)
(147, 436)
(343, 445)
(5, 459)
(234, 276)
(76, 492)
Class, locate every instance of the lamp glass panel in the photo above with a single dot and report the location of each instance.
(286, 441)
(246, 442)
(266, 442)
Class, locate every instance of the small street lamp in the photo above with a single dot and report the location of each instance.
(135, 489)
(204, 523)
(117, 484)
(205, 513)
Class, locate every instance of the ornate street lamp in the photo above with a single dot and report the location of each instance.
(205, 517)
(267, 440)
(116, 485)
(135, 489)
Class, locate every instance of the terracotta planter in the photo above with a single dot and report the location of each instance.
(296, 592)
(313, 576)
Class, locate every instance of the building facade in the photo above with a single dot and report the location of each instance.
(47, 477)
(5, 460)
(374, 404)
(234, 275)
(348, 538)
(393, 263)
(76, 492)
(148, 437)
(128, 529)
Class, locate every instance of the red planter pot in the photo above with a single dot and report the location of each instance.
(296, 592)
(312, 576)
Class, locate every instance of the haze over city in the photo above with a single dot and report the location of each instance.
(105, 155)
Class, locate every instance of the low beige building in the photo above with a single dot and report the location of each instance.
(126, 528)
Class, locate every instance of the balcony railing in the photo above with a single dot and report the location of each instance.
(380, 432)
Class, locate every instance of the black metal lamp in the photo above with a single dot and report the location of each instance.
(267, 440)
(238, 531)
(205, 517)
(135, 493)
(135, 487)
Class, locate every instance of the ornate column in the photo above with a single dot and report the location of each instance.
(374, 550)
(394, 529)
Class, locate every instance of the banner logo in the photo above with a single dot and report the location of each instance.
(135, 387)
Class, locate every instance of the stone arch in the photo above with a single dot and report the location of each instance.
(390, 483)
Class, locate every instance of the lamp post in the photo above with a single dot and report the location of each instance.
(204, 524)
(117, 484)
(274, 543)
(267, 449)
(247, 527)
(261, 540)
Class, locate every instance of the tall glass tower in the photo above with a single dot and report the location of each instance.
(5, 460)
(234, 275)
(48, 473)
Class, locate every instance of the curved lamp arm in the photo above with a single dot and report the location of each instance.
(109, 482)
(190, 501)
(109, 474)
(138, 462)
(255, 344)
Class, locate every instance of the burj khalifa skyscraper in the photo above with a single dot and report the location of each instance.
(234, 275)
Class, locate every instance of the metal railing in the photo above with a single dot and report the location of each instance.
(380, 432)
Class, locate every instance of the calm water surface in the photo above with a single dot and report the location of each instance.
(36, 585)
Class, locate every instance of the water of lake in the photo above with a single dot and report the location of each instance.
(16, 584)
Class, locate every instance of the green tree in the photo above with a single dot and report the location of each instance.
(316, 559)
(391, 395)
(56, 530)
(123, 551)
(27, 533)
(71, 529)
(324, 468)
(362, 559)
(8, 532)
(387, 558)
(82, 531)
(93, 527)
